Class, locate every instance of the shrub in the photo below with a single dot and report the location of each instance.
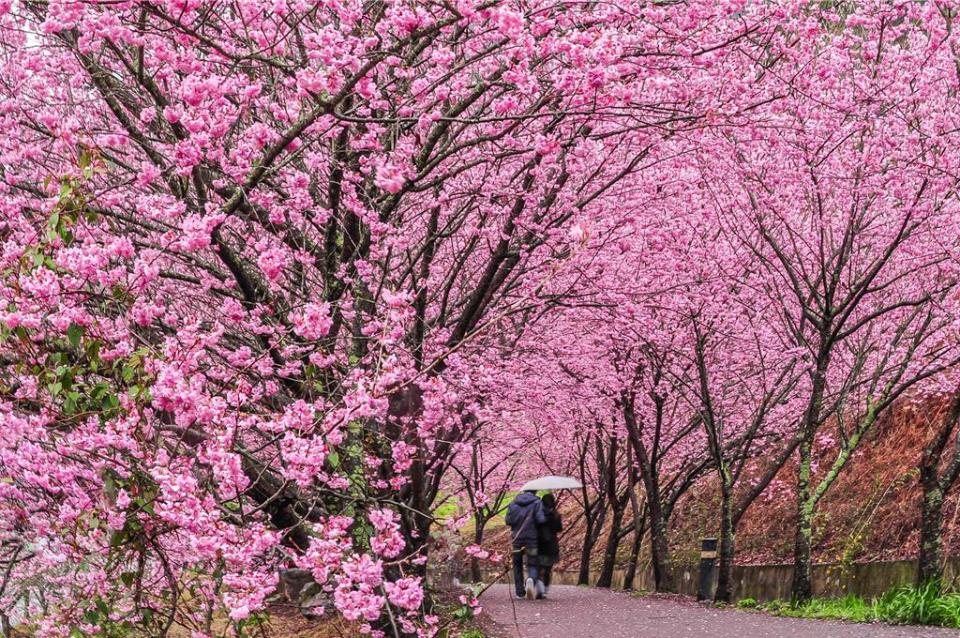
(909, 605)
(923, 605)
(747, 603)
(947, 610)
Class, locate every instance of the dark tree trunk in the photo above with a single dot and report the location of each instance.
(802, 590)
(639, 527)
(595, 512)
(595, 520)
(583, 577)
(415, 527)
(659, 548)
(618, 506)
(630, 576)
(930, 563)
(724, 591)
(802, 569)
(648, 469)
(935, 485)
(478, 525)
(605, 579)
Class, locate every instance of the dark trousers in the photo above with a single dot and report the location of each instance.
(521, 552)
(546, 574)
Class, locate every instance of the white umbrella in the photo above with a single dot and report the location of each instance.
(551, 483)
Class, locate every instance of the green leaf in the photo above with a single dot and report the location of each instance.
(145, 504)
(93, 351)
(334, 460)
(110, 488)
(109, 402)
(74, 333)
(117, 538)
(128, 578)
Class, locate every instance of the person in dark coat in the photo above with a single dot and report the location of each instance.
(548, 542)
(525, 516)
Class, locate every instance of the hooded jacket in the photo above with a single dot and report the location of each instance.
(524, 514)
(548, 545)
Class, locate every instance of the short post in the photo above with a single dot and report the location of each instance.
(708, 555)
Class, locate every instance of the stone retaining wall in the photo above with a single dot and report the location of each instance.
(770, 582)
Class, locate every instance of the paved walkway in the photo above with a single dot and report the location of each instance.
(580, 612)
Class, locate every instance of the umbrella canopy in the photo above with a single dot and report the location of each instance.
(551, 483)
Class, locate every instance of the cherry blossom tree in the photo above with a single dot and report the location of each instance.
(251, 255)
(844, 203)
(270, 270)
(488, 475)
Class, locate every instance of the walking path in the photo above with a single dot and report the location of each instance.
(580, 612)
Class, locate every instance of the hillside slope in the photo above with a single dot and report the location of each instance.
(871, 513)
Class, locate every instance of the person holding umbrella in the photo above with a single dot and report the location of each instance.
(527, 519)
(548, 543)
(524, 516)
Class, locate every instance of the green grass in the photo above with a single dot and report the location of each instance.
(849, 608)
(907, 605)
(448, 508)
(920, 606)
(497, 521)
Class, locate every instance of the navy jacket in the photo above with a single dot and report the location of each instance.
(524, 515)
